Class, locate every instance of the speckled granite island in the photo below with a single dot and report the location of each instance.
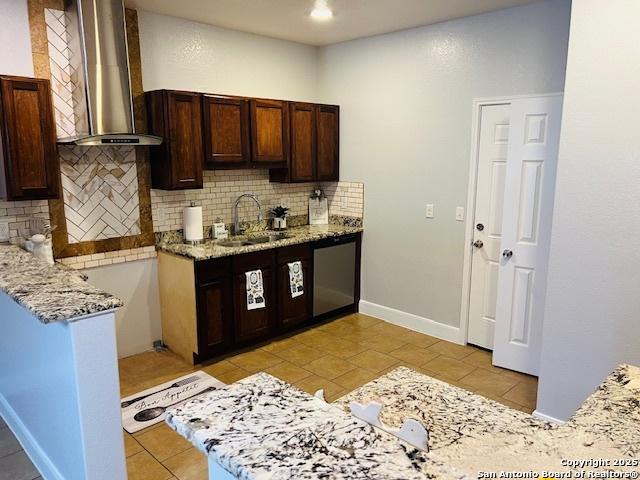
(473, 434)
(262, 427)
(58, 338)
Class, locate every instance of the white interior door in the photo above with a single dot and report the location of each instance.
(526, 230)
(492, 166)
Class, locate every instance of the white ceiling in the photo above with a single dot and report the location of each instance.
(289, 19)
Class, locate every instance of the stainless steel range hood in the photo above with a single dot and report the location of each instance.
(103, 101)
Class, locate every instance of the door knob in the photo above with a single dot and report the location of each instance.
(478, 244)
(480, 227)
(507, 254)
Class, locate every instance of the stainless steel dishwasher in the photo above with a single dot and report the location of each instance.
(335, 261)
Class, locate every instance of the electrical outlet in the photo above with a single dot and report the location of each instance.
(343, 202)
(4, 232)
(429, 210)
(460, 214)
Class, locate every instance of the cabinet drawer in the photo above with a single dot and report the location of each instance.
(210, 269)
(294, 253)
(253, 261)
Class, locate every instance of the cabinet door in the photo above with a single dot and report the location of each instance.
(215, 317)
(185, 139)
(31, 161)
(294, 312)
(226, 132)
(303, 142)
(254, 324)
(328, 127)
(269, 132)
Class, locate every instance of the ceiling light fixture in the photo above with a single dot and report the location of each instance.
(321, 11)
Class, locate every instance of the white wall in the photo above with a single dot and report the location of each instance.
(15, 56)
(406, 102)
(180, 54)
(592, 320)
(136, 284)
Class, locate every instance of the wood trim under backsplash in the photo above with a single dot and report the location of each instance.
(61, 246)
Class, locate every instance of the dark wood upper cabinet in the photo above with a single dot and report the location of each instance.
(177, 163)
(28, 136)
(303, 142)
(269, 132)
(328, 131)
(226, 132)
(297, 142)
(315, 149)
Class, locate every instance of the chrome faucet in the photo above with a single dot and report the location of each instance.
(236, 220)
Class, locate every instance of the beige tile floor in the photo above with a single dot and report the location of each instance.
(338, 356)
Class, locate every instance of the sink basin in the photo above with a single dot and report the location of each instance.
(234, 243)
(272, 237)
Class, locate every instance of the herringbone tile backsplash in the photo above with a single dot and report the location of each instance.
(100, 190)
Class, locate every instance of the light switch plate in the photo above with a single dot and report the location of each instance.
(4, 232)
(429, 210)
(460, 214)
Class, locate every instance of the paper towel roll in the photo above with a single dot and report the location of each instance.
(192, 219)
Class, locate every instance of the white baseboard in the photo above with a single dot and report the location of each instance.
(546, 418)
(411, 321)
(31, 447)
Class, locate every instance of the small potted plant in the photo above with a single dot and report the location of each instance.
(317, 194)
(279, 214)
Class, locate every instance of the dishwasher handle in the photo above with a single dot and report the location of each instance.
(338, 240)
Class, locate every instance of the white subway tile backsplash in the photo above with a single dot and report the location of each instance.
(221, 188)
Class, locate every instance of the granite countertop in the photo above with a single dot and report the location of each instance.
(297, 235)
(613, 410)
(262, 427)
(51, 292)
(449, 413)
(472, 434)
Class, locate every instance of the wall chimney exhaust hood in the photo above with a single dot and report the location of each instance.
(102, 89)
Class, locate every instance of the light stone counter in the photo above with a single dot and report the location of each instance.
(303, 234)
(50, 292)
(263, 428)
(472, 433)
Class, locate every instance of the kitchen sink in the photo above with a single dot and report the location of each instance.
(271, 237)
(234, 243)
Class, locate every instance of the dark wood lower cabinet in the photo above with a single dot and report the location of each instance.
(223, 320)
(215, 317)
(253, 324)
(294, 312)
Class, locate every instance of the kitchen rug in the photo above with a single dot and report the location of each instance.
(147, 408)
